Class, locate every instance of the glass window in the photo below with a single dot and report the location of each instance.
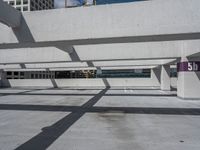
(9, 73)
(21, 73)
(18, 2)
(18, 8)
(25, 8)
(12, 3)
(25, 1)
(173, 72)
(16, 73)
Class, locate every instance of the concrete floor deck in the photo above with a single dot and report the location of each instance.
(97, 119)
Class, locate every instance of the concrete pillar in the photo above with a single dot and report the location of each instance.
(1, 73)
(165, 78)
(2, 78)
(188, 83)
(155, 75)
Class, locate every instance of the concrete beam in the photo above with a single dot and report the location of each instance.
(9, 16)
(149, 21)
(121, 51)
(102, 52)
(130, 63)
(81, 68)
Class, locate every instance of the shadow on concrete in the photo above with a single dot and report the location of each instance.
(90, 64)
(157, 72)
(132, 39)
(96, 109)
(86, 94)
(82, 88)
(52, 80)
(22, 65)
(23, 33)
(54, 83)
(22, 93)
(106, 83)
(173, 88)
(49, 134)
(4, 82)
(71, 51)
(198, 75)
(152, 95)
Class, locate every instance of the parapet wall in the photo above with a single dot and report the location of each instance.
(143, 82)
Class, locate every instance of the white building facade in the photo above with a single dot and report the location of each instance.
(31, 5)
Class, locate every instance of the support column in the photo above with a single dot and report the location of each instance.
(2, 77)
(1, 72)
(188, 83)
(165, 78)
(4, 82)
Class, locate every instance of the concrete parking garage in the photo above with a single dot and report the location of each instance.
(97, 118)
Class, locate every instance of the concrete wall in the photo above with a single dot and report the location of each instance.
(173, 82)
(188, 85)
(82, 82)
(107, 21)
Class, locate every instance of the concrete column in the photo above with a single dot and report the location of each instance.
(188, 83)
(165, 78)
(1, 73)
(3, 79)
(155, 75)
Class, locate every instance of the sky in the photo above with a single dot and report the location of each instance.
(61, 3)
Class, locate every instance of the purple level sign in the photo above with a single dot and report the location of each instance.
(188, 66)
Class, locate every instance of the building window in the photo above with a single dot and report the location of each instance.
(21, 73)
(9, 73)
(18, 8)
(12, 3)
(173, 72)
(25, 1)
(25, 8)
(18, 2)
(16, 73)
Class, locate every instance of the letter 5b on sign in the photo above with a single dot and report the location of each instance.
(188, 66)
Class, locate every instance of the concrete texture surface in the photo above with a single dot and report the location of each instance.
(151, 82)
(108, 21)
(97, 118)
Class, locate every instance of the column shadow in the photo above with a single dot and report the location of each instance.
(49, 134)
(23, 33)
